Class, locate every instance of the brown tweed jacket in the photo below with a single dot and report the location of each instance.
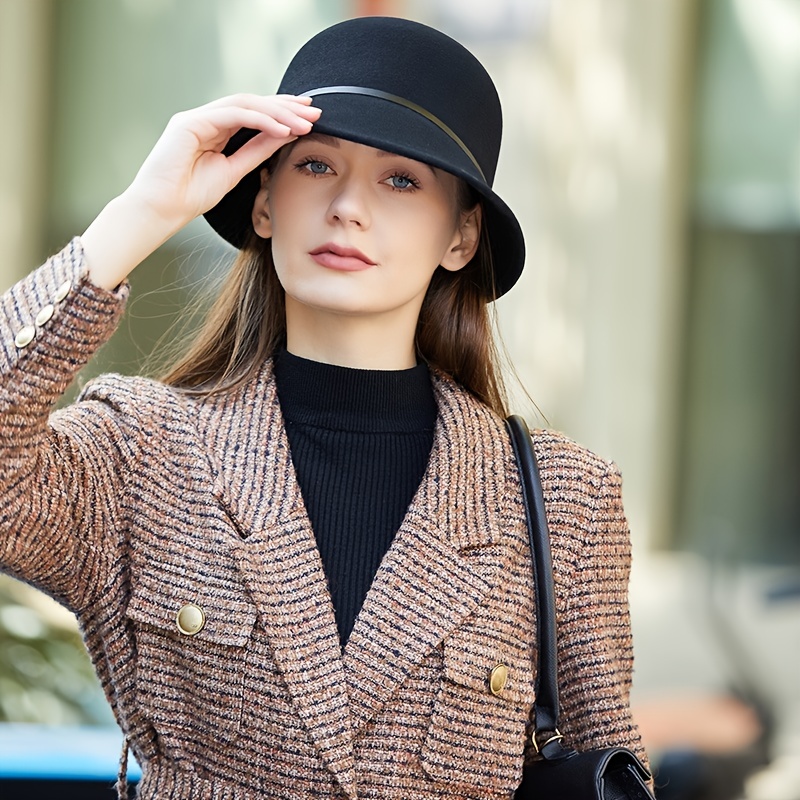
(137, 500)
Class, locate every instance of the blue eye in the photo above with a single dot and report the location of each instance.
(403, 182)
(313, 166)
(317, 167)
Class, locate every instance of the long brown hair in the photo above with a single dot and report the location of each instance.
(247, 324)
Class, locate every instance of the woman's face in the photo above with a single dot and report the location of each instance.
(359, 231)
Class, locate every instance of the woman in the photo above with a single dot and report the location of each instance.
(299, 559)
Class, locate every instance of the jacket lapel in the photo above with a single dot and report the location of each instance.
(280, 562)
(443, 562)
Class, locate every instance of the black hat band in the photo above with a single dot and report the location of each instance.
(401, 101)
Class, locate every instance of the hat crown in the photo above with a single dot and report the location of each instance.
(411, 61)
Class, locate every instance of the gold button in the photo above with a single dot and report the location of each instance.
(25, 336)
(63, 291)
(498, 678)
(190, 619)
(44, 315)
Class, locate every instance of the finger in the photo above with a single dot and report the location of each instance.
(303, 117)
(214, 123)
(215, 127)
(259, 102)
(284, 109)
(301, 98)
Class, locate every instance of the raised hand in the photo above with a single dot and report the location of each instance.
(186, 173)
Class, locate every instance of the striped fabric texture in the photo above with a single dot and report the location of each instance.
(137, 500)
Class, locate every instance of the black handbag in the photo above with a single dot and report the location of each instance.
(614, 773)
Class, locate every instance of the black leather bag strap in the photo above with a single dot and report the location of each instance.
(547, 709)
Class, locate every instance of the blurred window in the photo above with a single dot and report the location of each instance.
(741, 471)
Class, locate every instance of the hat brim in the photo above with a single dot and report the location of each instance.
(387, 126)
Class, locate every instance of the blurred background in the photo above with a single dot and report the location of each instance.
(652, 153)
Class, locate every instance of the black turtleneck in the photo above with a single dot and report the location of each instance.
(360, 442)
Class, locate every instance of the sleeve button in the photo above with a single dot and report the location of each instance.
(63, 291)
(25, 336)
(44, 315)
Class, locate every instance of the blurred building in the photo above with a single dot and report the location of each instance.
(652, 152)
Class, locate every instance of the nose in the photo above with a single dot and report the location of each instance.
(349, 205)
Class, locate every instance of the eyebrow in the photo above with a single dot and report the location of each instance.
(322, 138)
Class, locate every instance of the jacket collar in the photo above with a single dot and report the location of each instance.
(443, 561)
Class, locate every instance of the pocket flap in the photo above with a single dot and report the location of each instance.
(228, 615)
(471, 655)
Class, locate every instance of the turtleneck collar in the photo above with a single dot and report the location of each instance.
(362, 400)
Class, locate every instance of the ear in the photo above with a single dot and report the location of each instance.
(465, 241)
(260, 215)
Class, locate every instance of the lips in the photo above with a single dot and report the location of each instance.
(346, 259)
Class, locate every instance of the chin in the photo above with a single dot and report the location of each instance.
(341, 300)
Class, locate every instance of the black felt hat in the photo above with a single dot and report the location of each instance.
(408, 89)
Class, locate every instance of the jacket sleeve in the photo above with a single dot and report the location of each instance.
(594, 640)
(60, 475)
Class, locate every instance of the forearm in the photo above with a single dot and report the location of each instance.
(123, 235)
